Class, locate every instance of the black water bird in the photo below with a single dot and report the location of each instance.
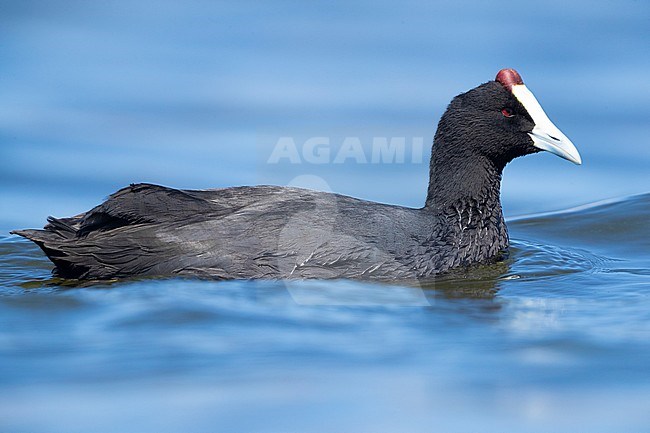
(278, 232)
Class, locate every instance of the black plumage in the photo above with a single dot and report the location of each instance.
(279, 232)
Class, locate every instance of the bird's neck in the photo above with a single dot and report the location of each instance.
(463, 179)
(464, 193)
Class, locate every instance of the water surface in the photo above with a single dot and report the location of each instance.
(555, 338)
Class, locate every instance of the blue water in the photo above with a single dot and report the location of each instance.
(96, 95)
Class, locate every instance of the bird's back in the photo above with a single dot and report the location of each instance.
(242, 232)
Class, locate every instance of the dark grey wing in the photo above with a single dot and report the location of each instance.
(146, 204)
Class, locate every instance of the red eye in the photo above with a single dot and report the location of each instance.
(507, 112)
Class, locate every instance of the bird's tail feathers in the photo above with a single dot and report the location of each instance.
(52, 240)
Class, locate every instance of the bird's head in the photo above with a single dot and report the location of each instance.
(501, 120)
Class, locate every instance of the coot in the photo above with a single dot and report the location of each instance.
(278, 232)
